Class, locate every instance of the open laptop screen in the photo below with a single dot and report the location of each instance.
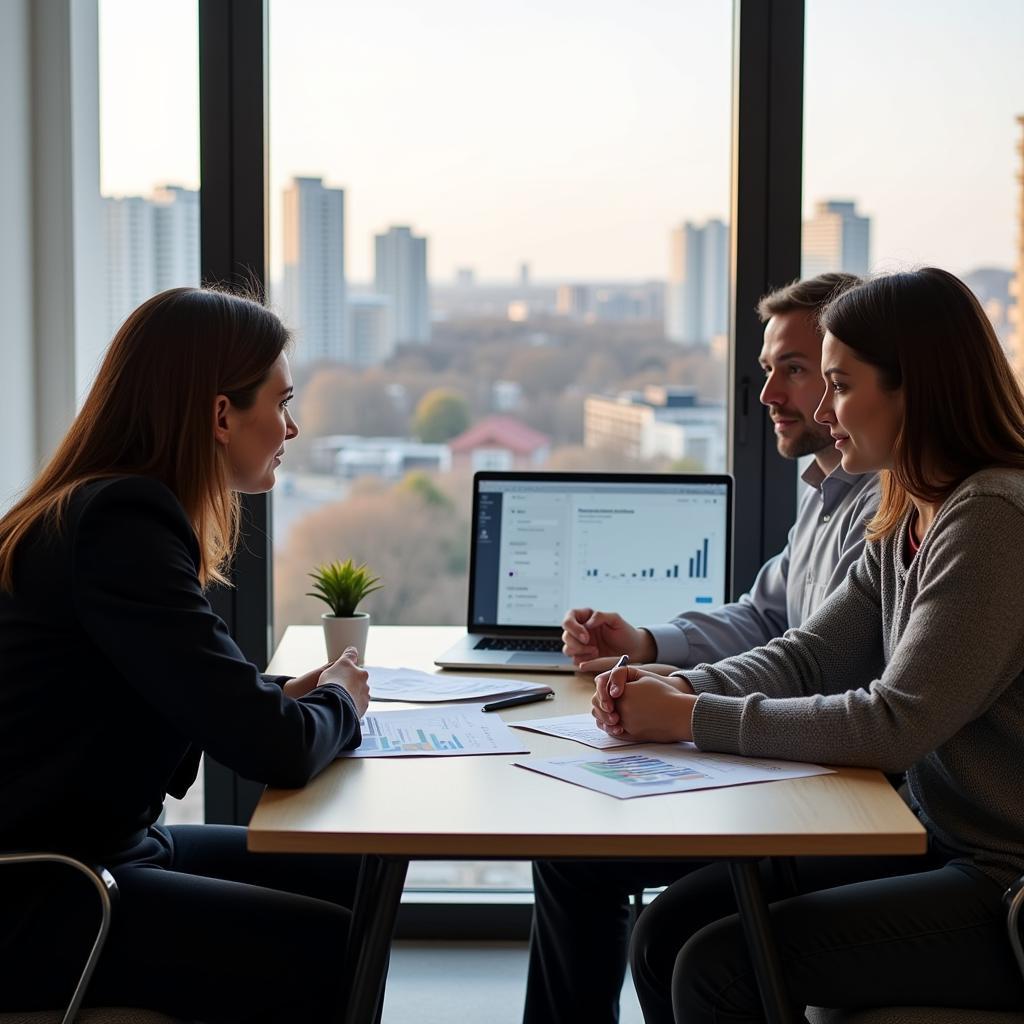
(647, 546)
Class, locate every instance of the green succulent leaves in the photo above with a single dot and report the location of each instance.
(342, 585)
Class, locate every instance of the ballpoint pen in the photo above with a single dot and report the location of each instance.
(621, 663)
(523, 698)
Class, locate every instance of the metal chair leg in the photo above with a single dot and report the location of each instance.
(1015, 901)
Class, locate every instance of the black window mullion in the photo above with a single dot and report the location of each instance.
(768, 56)
(233, 242)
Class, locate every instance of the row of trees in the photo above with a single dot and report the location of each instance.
(555, 370)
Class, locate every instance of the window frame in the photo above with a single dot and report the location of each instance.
(765, 219)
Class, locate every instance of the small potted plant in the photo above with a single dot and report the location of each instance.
(341, 586)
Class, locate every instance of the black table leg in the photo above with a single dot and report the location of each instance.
(746, 883)
(369, 946)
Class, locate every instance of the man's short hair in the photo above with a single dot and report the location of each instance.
(809, 296)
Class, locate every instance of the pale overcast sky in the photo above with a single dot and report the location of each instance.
(574, 134)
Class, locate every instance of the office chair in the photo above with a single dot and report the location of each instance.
(106, 889)
(1014, 900)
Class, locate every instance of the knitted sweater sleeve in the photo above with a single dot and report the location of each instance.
(959, 645)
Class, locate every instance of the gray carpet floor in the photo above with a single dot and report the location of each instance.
(442, 982)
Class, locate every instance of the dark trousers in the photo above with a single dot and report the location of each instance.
(689, 948)
(203, 929)
(580, 935)
(927, 938)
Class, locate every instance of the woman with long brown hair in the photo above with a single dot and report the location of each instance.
(915, 664)
(116, 675)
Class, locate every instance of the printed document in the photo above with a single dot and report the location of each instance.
(580, 728)
(434, 732)
(667, 768)
(415, 687)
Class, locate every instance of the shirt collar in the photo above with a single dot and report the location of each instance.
(815, 477)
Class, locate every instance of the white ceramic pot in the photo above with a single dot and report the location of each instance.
(347, 631)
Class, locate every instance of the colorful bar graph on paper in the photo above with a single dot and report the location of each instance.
(640, 770)
(405, 740)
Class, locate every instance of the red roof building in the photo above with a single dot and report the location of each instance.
(499, 443)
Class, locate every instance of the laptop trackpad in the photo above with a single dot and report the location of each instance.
(535, 658)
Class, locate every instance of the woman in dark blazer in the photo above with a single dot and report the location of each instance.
(115, 676)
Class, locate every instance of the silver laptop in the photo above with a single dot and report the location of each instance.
(648, 546)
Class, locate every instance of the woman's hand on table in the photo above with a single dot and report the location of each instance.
(658, 668)
(301, 685)
(651, 668)
(650, 707)
(345, 672)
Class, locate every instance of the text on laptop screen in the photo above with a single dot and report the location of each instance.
(648, 551)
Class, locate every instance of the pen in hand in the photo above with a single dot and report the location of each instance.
(523, 698)
(621, 663)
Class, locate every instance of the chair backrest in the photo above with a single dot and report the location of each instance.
(93, 1015)
(106, 888)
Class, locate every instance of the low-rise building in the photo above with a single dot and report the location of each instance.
(658, 422)
(349, 456)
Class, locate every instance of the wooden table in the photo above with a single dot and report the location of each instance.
(473, 808)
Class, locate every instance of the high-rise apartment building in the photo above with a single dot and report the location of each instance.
(151, 244)
(175, 237)
(836, 238)
(1017, 284)
(697, 296)
(314, 299)
(370, 329)
(400, 274)
(130, 270)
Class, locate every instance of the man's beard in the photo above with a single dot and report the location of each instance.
(808, 442)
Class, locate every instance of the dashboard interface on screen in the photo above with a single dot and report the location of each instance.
(646, 550)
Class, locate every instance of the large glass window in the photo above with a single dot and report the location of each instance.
(911, 157)
(494, 236)
(149, 179)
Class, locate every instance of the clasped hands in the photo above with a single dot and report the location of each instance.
(639, 701)
(345, 671)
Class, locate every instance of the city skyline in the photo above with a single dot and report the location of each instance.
(592, 189)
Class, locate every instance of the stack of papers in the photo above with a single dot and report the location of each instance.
(415, 687)
(434, 732)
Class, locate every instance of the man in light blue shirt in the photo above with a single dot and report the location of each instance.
(581, 911)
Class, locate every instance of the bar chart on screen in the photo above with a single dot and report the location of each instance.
(653, 558)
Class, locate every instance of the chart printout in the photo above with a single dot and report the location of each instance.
(667, 768)
(434, 732)
(650, 552)
(580, 728)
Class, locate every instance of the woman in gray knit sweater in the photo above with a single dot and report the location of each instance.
(916, 664)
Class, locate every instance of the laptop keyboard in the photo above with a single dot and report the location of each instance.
(519, 643)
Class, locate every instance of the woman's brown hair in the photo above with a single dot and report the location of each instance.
(925, 332)
(150, 413)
